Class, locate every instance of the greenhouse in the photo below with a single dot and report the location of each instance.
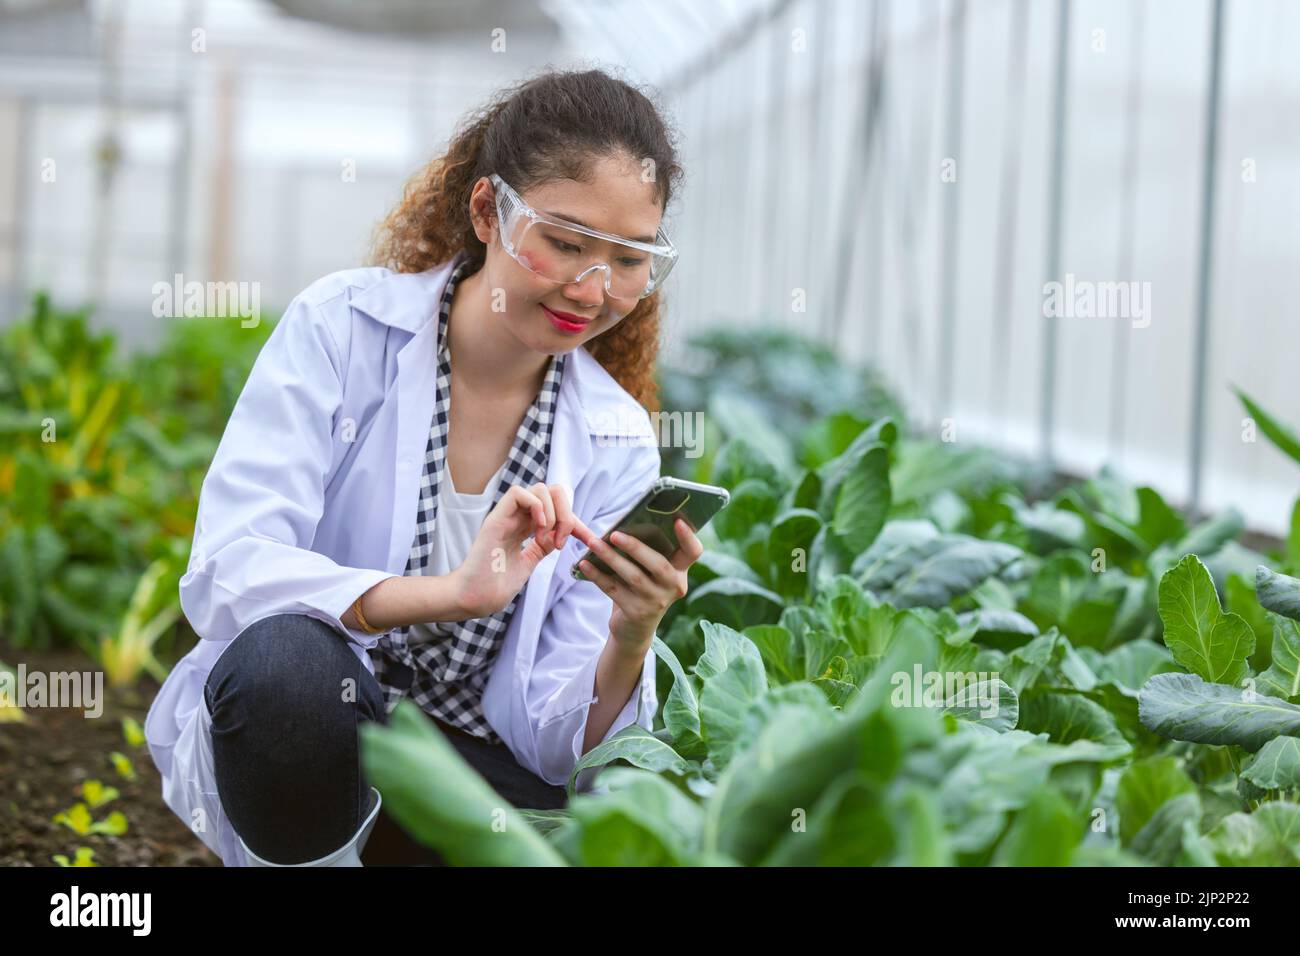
(883, 412)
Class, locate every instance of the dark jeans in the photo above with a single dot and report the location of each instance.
(286, 747)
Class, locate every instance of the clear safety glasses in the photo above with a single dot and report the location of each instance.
(566, 252)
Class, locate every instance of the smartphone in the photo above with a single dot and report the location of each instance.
(652, 518)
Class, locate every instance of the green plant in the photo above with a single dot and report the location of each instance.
(85, 856)
(777, 741)
(99, 475)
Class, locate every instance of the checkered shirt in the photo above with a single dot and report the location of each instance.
(446, 673)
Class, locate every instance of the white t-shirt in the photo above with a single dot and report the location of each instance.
(458, 521)
(456, 526)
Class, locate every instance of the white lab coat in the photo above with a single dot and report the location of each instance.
(311, 499)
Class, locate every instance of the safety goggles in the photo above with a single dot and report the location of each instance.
(566, 252)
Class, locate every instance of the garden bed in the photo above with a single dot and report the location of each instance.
(48, 756)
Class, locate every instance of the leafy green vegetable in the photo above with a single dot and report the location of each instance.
(1184, 707)
(1203, 638)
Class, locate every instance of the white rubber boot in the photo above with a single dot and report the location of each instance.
(347, 855)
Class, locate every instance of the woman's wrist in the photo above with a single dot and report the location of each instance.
(401, 601)
(632, 642)
(454, 595)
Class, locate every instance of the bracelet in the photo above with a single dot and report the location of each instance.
(361, 618)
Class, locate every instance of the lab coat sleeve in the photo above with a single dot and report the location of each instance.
(560, 690)
(263, 495)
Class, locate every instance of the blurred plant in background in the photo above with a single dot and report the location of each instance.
(766, 383)
(102, 460)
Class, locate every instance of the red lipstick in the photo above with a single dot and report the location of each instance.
(566, 321)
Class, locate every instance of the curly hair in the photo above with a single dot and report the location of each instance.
(552, 126)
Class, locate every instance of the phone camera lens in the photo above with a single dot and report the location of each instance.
(669, 501)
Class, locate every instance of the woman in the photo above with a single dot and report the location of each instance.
(420, 454)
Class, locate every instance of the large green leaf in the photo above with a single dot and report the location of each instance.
(991, 703)
(1144, 788)
(1131, 665)
(899, 546)
(782, 654)
(1282, 679)
(1161, 839)
(863, 500)
(789, 550)
(835, 474)
(997, 627)
(441, 800)
(718, 564)
(641, 821)
(801, 695)
(934, 571)
(1066, 717)
(1277, 765)
(1279, 434)
(830, 437)
(847, 826)
(753, 502)
(1184, 707)
(1202, 638)
(797, 755)
(1044, 833)
(724, 699)
(1293, 537)
(741, 418)
(681, 710)
(1280, 593)
(735, 603)
(1049, 527)
(1268, 837)
(638, 747)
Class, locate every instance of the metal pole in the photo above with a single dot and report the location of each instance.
(1009, 194)
(951, 211)
(179, 211)
(1124, 258)
(876, 189)
(820, 49)
(914, 192)
(745, 179)
(1050, 331)
(1209, 168)
(859, 144)
(774, 219)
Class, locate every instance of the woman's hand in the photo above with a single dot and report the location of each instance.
(498, 565)
(644, 583)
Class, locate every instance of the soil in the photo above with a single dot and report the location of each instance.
(44, 760)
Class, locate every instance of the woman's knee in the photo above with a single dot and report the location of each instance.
(286, 699)
(290, 668)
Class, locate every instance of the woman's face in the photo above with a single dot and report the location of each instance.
(616, 201)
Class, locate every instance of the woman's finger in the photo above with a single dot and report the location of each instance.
(521, 499)
(689, 547)
(598, 578)
(644, 555)
(565, 520)
(516, 501)
(543, 494)
(624, 567)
